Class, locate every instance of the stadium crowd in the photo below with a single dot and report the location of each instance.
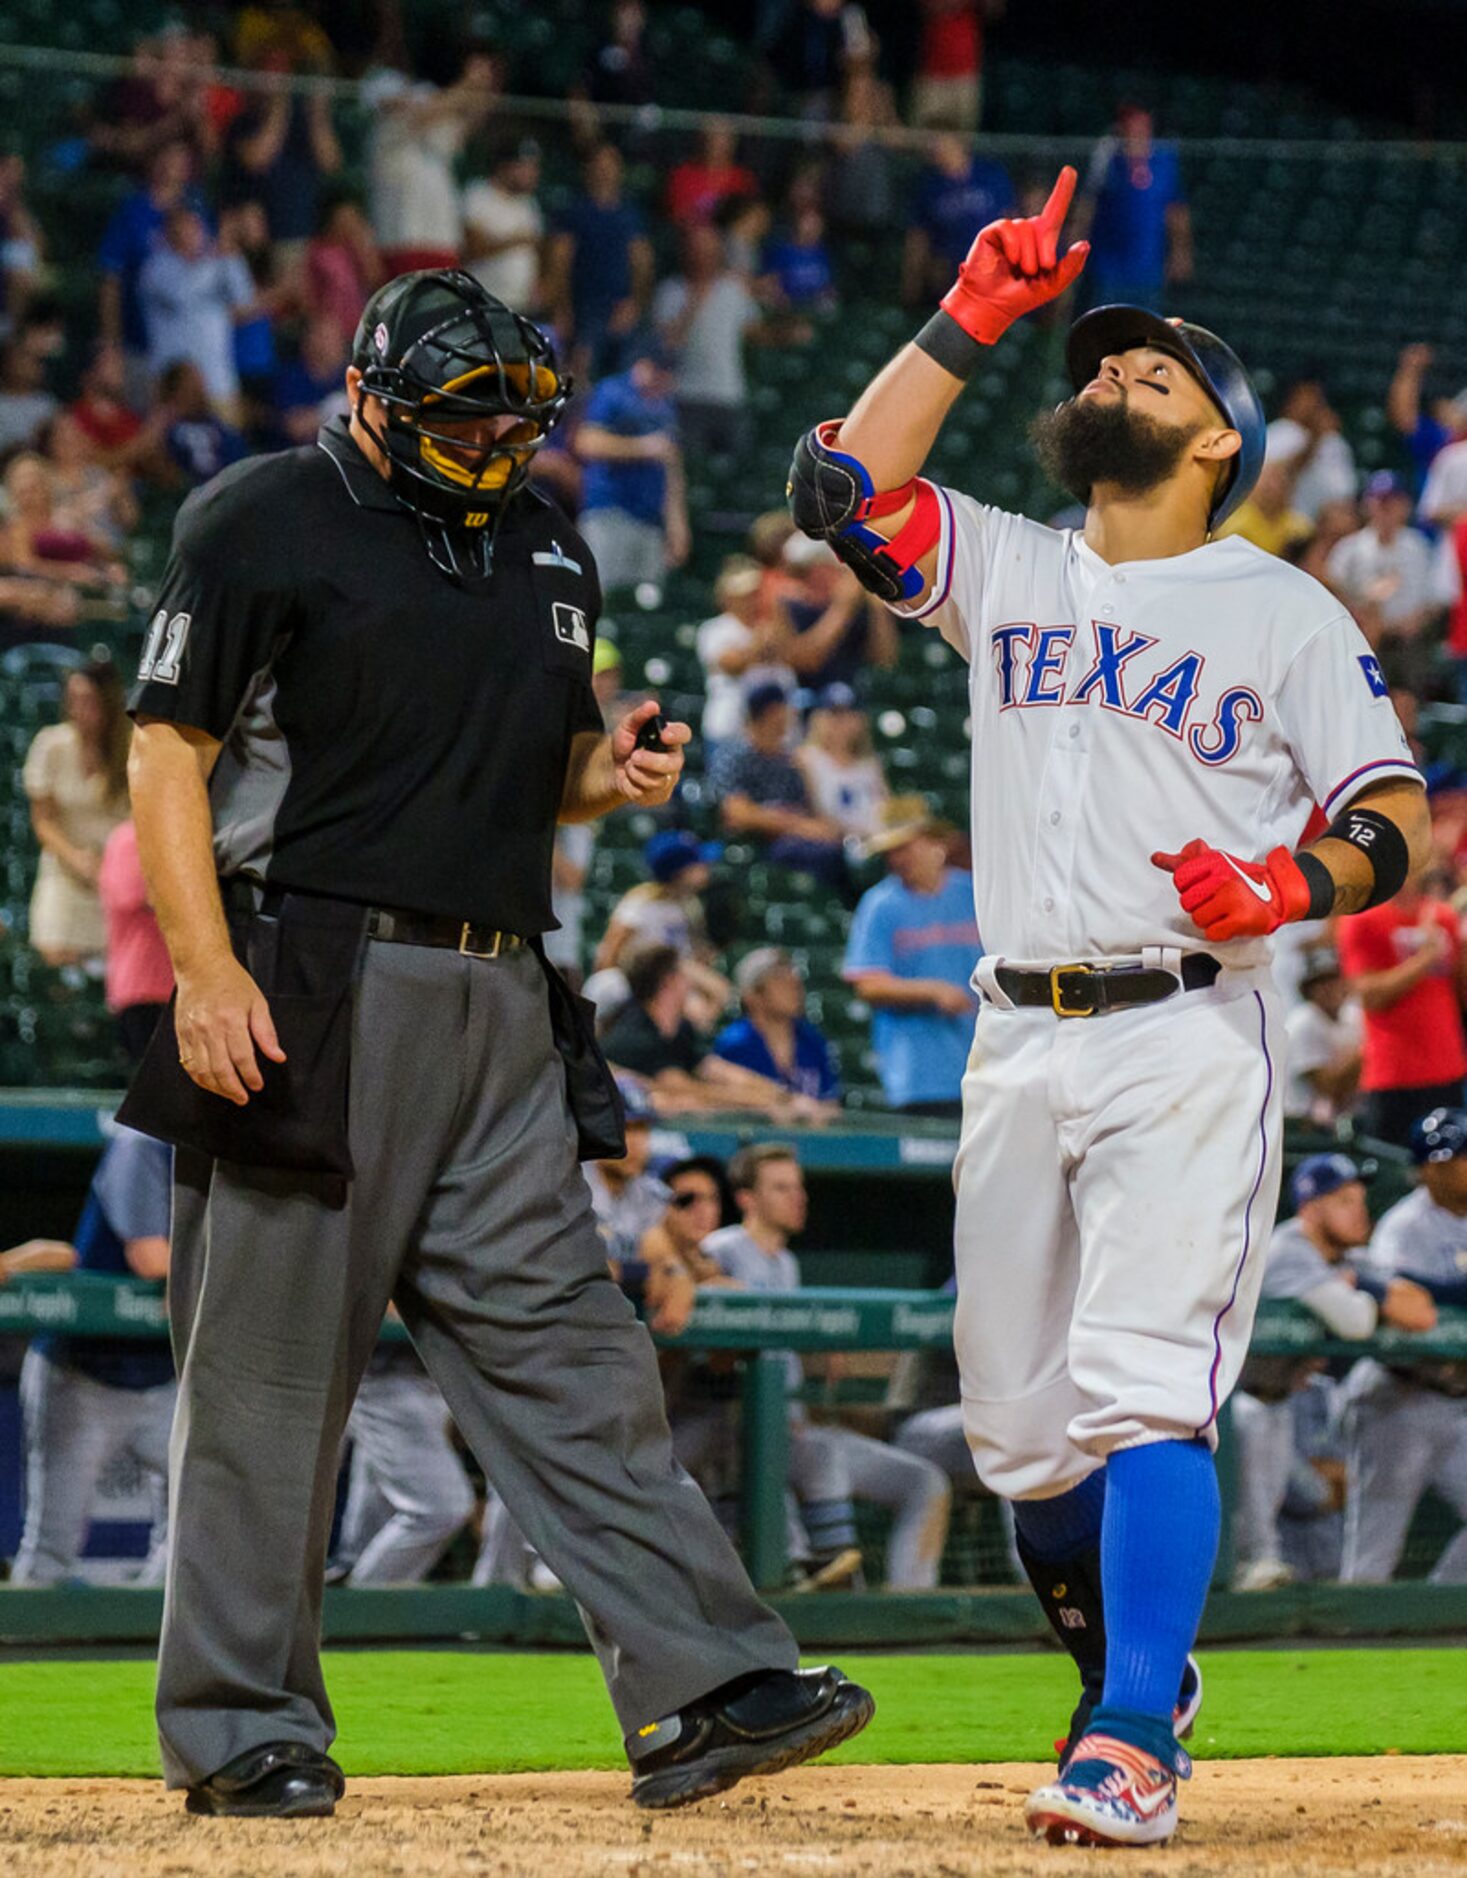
(229, 284)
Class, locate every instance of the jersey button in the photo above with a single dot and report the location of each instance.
(1054, 818)
(1049, 906)
(1074, 732)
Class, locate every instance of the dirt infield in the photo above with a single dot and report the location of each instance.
(1397, 1816)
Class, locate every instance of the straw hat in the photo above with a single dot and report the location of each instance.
(903, 818)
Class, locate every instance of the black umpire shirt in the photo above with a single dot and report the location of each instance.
(389, 737)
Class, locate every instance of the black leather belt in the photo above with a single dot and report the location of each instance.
(426, 929)
(1091, 990)
(390, 924)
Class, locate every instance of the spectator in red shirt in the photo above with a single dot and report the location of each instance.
(165, 96)
(947, 93)
(102, 410)
(695, 188)
(342, 265)
(1406, 964)
(139, 974)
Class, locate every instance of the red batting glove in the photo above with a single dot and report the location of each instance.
(1232, 899)
(1015, 266)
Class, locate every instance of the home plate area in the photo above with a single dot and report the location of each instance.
(1393, 1815)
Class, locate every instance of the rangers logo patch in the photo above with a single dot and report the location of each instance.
(379, 338)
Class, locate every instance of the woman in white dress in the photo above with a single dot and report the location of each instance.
(75, 778)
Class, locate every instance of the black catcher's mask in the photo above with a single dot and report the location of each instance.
(450, 363)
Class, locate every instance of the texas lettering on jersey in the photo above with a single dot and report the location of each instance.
(1040, 667)
(1119, 709)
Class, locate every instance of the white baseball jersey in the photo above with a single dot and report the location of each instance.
(1119, 710)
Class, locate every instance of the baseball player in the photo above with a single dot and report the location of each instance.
(1406, 1426)
(88, 1399)
(829, 1467)
(408, 1493)
(1155, 713)
(364, 705)
(1307, 1261)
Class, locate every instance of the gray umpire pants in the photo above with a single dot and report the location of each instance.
(468, 1210)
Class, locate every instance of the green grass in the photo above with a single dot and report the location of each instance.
(447, 1712)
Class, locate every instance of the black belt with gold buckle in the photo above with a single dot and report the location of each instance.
(425, 929)
(1092, 990)
(387, 923)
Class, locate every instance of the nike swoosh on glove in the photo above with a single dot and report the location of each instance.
(1232, 899)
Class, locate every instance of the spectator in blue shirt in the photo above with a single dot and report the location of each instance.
(634, 512)
(762, 794)
(89, 1400)
(599, 268)
(194, 441)
(1427, 426)
(1136, 215)
(800, 265)
(282, 148)
(910, 956)
(774, 1038)
(244, 231)
(136, 228)
(956, 194)
(839, 629)
(313, 382)
(193, 295)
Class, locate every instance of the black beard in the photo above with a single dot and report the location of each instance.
(1085, 441)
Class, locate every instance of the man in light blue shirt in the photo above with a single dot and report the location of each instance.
(192, 295)
(913, 946)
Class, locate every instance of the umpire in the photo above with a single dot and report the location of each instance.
(363, 705)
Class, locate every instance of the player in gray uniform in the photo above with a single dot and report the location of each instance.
(1306, 1262)
(628, 1202)
(88, 1400)
(1406, 1427)
(829, 1467)
(409, 1493)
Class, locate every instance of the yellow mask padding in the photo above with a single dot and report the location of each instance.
(497, 472)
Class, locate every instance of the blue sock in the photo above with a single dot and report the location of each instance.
(1056, 1529)
(1158, 1544)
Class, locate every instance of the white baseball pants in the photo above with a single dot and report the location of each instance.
(1116, 1184)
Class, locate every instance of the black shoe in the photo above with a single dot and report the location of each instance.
(281, 1780)
(759, 1724)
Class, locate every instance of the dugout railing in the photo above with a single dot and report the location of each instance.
(757, 1328)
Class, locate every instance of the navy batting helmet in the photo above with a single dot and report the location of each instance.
(470, 390)
(1439, 1136)
(1216, 366)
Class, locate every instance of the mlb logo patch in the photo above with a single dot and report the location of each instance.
(570, 626)
(1374, 676)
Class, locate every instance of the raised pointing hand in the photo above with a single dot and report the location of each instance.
(1015, 265)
